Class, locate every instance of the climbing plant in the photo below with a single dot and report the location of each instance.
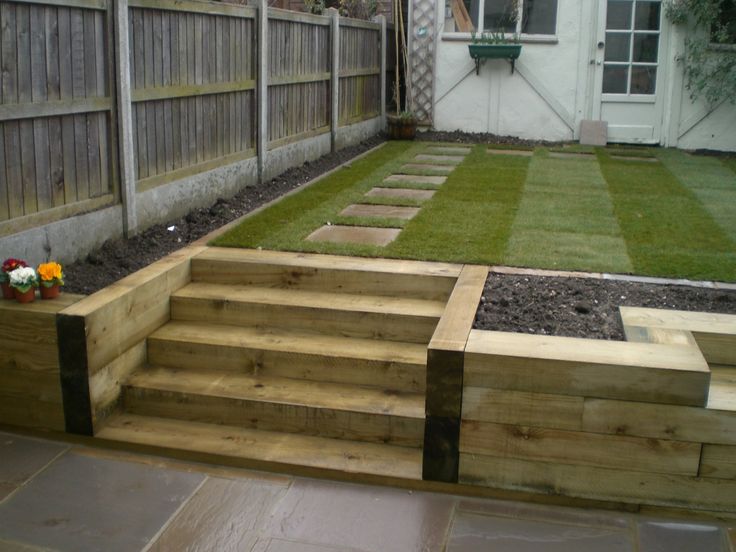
(709, 60)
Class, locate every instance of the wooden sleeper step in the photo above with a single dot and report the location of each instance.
(350, 315)
(294, 354)
(278, 404)
(262, 449)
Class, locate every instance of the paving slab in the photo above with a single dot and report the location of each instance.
(84, 503)
(404, 193)
(382, 211)
(21, 458)
(474, 532)
(519, 153)
(635, 158)
(416, 178)
(370, 519)
(365, 235)
(666, 536)
(224, 515)
(448, 150)
(447, 169)
(571, 155)
(431, 158)
(593, 133)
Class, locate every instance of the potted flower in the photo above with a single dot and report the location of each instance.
(494, 45)
(24, 282)
(9, 265)
(51, 279)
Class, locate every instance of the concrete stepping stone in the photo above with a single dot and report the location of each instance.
(447, 169)
(417, 179)
(635, 158)
(571, 155)
(450, 159)
(403, 193)
(448, 150)
(365, 235)
(382, 211)
(520, 153)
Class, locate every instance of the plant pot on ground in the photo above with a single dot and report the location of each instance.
(402, 126)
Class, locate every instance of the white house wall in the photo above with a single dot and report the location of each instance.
(497, 101)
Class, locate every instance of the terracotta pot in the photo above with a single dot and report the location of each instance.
(50, 292)
(7, 291)
(27, 297)
(401, 129)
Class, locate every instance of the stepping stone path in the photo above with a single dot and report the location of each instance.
(449, 156)
(380, 211)
(520, 153)
(404, 193)
(635, 158)
(571, 155)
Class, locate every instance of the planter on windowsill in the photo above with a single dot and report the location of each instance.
(481, 52)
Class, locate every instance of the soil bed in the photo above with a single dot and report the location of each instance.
(583, 307)
(575, 307)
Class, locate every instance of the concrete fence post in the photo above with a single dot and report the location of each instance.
(335, 77)
(125, 120)
(262, 90)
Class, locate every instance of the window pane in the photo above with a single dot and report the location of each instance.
(499, 15)
(618, 46)
(646, 47)
(619, 14)
(473, 9)
(643, 79)
(647, 16)
(615, 79)
(539, 17)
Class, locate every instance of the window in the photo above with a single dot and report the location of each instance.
(512, 16)
(724, 30)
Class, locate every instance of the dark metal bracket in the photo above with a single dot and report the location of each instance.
(480, 61)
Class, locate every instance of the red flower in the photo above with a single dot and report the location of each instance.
(11, 264)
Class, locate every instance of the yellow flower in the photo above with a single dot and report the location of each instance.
(49, 271)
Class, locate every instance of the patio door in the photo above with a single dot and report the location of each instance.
(630, 69)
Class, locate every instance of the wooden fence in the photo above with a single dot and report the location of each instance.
(192, 90)
(56, 121)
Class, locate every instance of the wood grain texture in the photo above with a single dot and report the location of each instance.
(718, 461)
(643, 372)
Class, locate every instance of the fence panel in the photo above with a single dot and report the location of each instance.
(192, 85)
(298, 76)
(57, 142)
(360, 71)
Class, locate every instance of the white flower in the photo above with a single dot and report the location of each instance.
(22, 276)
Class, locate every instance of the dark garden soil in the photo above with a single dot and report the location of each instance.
(575, 307)
(583, 307)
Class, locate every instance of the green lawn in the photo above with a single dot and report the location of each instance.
(600, 212)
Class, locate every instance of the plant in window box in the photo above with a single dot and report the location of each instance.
(494, 45)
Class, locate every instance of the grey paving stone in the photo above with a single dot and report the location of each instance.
(675, 536)
(571, 155)
(473, 532)
(371, 519)
(21, 458)
(279, 545)
(451, 159)
(224, 515)
(518, 153)
(635, 158)
(593, 133)
(406, 193)
(447, 169)
(416, 178)
(365, 235)
(382, 211)
(84, 503)
(448, 150)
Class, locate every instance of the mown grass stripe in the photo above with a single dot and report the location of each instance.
(566, 219)
(711, 181)
(667, 230)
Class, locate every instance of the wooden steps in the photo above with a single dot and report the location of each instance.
(332, 410)
(263, 449)
(293, 359)
(350, 315)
